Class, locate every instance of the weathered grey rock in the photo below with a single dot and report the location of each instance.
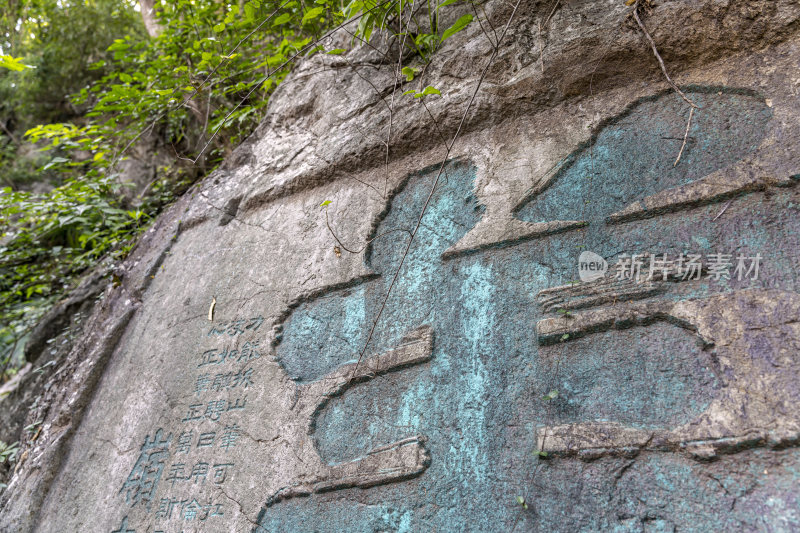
(677, 403)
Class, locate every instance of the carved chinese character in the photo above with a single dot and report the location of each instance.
(177, 472)
(237, 405)
(184, 443)
(215, 408)
(242, 378)
(208, 358)
(191, 510)
(221, 381)
(166, 505)
(217, 510)
(206, 440)
(221, 472)
(255, 323)
(249, 351)
(193, 413)
(230, 355)
(236, 327)
(202, 383)
(219, 329)
(200, 470)
(142, 482)
(229, 437)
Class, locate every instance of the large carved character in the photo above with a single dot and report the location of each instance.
(755, 338)
(462, 391)
(320, 341)
(624, 175)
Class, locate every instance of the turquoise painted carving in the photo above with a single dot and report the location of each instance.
(630, 374)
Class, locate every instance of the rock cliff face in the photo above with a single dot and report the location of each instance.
(420, 353)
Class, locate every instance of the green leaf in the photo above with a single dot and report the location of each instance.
(231, 16)
(312, 13)
(564, 337)
(55, 161)
(336, 51)
(118, 46)
(353, 7)
(446, 3)
(283, 19)
(409, 73)
(427, 91)
(552, 395)
(13, 63)
(219, 27)
(459, 25)
(326, 202)
(125, 77)
(540, 453)
(33, 426)
(426, 41)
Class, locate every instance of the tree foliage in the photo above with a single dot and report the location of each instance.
(58, 39)
(83, 82)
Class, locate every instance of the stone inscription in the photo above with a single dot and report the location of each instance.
(662, 368)
(444, 411)
(180, 462)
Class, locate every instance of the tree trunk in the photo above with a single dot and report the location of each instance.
(154, 29)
